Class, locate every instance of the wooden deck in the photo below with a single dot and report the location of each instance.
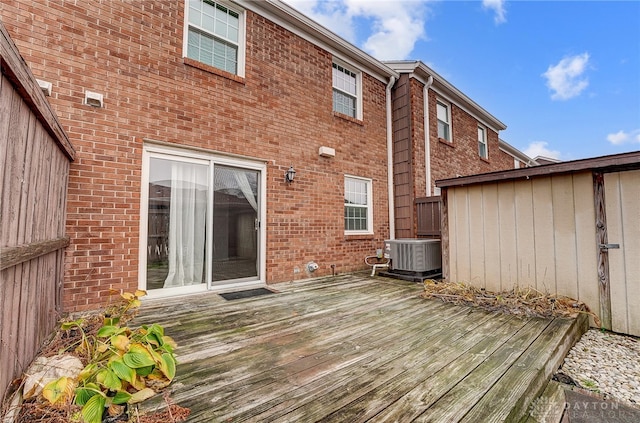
(353, 348)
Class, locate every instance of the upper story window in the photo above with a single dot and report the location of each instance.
(482, 143)
(346, 91)
(358, 209)
(443, 112)
(215, 35)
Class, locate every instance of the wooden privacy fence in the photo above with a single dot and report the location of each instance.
(35, 154)
(428, 211)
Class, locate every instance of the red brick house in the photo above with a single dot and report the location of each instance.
(187, 118)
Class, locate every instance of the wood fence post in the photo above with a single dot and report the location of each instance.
(444, 234)
(603, 254)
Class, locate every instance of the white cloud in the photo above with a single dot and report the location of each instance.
(393, 29)
(498, 7)
(397, 26)
(618, 138)
(565, 78)
(330, 14)
(622, 137)
(539, 148)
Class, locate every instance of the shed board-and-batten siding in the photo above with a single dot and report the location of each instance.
(622, 197)
(536, 233)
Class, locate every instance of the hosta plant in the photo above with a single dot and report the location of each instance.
(125, 366)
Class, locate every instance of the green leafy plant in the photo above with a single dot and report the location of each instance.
(125, 366)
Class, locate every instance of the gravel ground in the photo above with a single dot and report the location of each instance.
(606, 363)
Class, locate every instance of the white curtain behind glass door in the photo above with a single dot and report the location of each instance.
(245, 187)
(187, 216)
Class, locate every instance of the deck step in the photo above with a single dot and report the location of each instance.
(510, 399)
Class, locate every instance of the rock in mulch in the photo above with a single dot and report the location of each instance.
(46, 369)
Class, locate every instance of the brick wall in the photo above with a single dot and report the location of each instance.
(504, 161)
(508, 161)
(281, 111)
(460, 156)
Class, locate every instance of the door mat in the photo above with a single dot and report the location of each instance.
(247, 293)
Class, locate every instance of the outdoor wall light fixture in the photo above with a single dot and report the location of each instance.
(289, 175)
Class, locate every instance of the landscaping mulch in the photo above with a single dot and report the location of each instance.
(527, 302)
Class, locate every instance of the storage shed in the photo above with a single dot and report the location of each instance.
(569, 228)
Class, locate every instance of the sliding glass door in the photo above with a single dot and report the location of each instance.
(235, 223)
(201, 223)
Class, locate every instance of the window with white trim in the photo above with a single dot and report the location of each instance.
(482, 143)
(215, 35)
(358, 209)
(443, 112)
(345, 91)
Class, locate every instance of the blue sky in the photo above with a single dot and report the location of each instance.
(564, 76)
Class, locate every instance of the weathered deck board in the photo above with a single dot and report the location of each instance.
(374, 391)
(373, 361)
(509, 399)
(483, 377)
(351, 348)
(473, 350)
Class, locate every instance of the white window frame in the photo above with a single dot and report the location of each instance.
(447, 105)
(369, 187)
(152, 150)
(483, 141)
(358, 76)
(240, 71)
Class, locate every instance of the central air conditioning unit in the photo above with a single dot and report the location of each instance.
(415, 255)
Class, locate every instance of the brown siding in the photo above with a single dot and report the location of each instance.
(402, 157)
(34, 160)
(281, 111)
(428, 217)
(418, 158)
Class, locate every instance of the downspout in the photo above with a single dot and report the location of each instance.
(427, 138)
(392, 213)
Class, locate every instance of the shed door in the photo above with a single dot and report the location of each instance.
(622, 199)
